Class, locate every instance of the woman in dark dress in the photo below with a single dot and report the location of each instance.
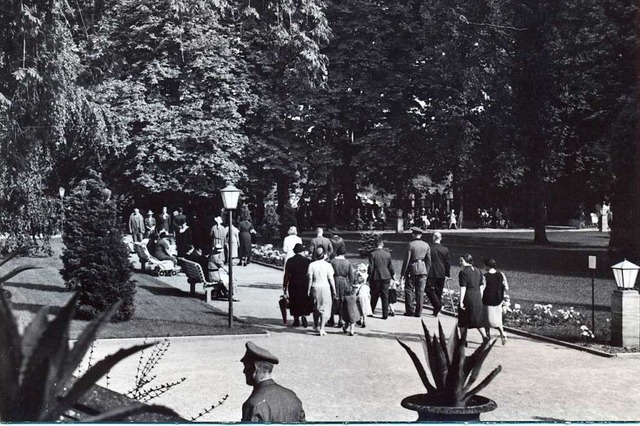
(471, 312)
(184, 242)
(344, 276)
(246, 229)
(296, 285)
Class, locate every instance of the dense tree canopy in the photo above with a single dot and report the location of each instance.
(513, 104)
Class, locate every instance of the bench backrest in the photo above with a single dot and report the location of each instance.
(193, 270)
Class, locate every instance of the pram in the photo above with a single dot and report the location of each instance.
(163, 268)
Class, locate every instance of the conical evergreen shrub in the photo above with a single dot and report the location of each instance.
(95, 258)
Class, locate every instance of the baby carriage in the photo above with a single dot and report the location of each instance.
(163, 268)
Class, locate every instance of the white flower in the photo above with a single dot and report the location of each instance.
(517, 306)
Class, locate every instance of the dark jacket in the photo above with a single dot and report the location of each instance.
(440, 262)
(418, 259)
(323, 242)
(380, 265)
(270, 402)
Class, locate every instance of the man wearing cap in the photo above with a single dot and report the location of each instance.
(269, 402)
(215, 264)
(440, 271)
(415, 268)
(320, 241)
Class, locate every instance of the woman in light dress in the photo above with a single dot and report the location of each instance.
(321, 287)
(495, 286)
(290, 242)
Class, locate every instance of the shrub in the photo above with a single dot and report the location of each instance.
(368, 243)
(288, 219)
(270, 228)
(95, 258)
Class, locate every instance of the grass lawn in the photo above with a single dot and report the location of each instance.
(161, 310)
(555, 274)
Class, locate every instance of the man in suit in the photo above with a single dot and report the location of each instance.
(269, 402)
(440, 271)
(415, 268)
(380, 274)
(320, 241)
(136, 226)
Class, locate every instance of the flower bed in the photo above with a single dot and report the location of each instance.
(267, 254)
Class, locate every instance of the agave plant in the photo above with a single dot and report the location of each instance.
(36, 367)
(454, 373)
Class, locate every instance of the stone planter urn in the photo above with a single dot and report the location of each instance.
(429, 412)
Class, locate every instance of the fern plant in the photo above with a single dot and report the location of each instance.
(36, 367)
(453, 373)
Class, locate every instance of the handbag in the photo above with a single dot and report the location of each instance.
(393, 295)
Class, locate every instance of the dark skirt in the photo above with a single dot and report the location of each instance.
(245, 244)
(350, 310)
(299, 302)
(473, 315)
(342, 289)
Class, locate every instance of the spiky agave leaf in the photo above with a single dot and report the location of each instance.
(90, 378)
(37, 392)
(16, 271)
(455, 377)
(10, 359)
(119, 414)
(32, 335)
(473, 363)
(443, 343)
(435, 358)
(15, 253)
(85, 340)
(483, 384)
(419, 368)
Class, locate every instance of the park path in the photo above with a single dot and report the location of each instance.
(364, 377)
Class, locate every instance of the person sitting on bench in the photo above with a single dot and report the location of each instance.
(161, 251)
(215, 265)
(195, 255)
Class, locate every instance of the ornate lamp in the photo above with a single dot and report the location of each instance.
(625, 274)
(230, 196)
(625, 306)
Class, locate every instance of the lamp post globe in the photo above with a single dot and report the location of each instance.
(625, 274)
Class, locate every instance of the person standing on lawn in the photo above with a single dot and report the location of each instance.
(415, 269)
(320, 241)
(321, 287)
(296, 286)
(492, 297)
(136, 226)
(471, 312)
(269, 402)
(165, 221)
(440, 272)
(380, 274)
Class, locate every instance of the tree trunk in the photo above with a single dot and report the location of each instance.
(539, 196)
(331, 200)
(282, 188)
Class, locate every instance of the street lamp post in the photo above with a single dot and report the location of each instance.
(61, 192)
(230, 195)
(625, 306)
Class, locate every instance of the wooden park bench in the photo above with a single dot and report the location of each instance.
(195, 276)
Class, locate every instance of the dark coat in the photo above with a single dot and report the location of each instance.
(440, 261)
(323, 242)
(270, 402)
(380, 265)
(297, 284)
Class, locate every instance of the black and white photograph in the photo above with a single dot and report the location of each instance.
(324, 211)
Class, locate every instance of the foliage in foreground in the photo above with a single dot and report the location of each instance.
(96, 261)
(36, 367)
(454, 373)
